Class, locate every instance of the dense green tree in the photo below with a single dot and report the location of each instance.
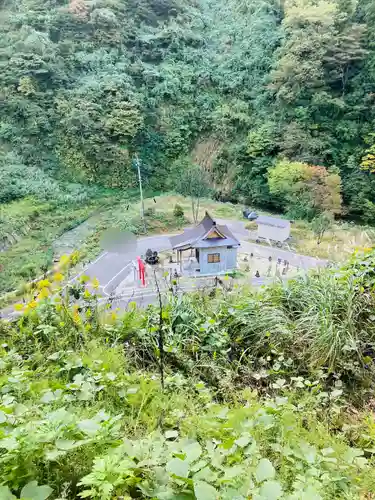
(86, 84)
(192, 182)
(321, 224)
(305, 190)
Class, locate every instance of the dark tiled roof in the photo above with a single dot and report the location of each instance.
(272, 221)
(194, 237)
(207, 222)
(187, 235)
(216, 242)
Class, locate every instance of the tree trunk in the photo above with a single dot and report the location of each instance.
(193, 208)
(197, 210)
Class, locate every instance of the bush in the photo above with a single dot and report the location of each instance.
(304, 190)
(255, 403)
(150, 212)
(178, 211)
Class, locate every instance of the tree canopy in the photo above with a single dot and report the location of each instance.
(236, 85)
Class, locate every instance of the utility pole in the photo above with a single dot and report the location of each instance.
(141, 193)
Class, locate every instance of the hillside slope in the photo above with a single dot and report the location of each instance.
(86, 84)
(233, 394)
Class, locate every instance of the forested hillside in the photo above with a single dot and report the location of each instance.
(237, 86)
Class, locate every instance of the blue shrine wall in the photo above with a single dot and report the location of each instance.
(228, 260)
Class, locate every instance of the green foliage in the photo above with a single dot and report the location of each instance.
(368, 161)
(192, 182)
(261, 141)
(87, 85)
(178, 211)
(321, 224)
(30, 227)
(305, 191)
(258, 398)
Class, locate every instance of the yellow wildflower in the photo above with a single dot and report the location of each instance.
(87, 294)
(44, 292)
(32, 304)
(88, 313)
(58, 277)
(43, 284)
(84, 278)
(95, 283)
(18, 307)
(64, 260)
(113, 316)
(74, 257)
(76, 317)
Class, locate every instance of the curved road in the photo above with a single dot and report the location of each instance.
(112, 268)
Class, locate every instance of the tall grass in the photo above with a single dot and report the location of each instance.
(333, 321)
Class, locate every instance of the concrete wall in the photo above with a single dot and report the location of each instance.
(273, 233)
(228, 260)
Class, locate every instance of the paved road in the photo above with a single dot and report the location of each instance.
(112, 268)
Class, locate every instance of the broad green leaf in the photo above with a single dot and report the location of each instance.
(267, 420)
(265, 470)
(178, 467)
(171, 434)
(243, 440)
(223, 414)
(9, 443)
(20, 409)
(199, 465)
(231, 494)
(87, 494)
(327, 451)
(204, 491)
(205, 474)
(309, 452)
(54, 454)
(310, 493)
(232, 472)
(89, 426)
(361, 462)
(3, 417)
(271, 490)
(65, 444)
(349, 455)
(6, 494)
(336, 393)
(192, 451)
(47, 397)
(34, 492)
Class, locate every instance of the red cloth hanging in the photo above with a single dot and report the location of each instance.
(141, 270)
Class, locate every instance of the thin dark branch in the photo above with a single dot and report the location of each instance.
(161, 335)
